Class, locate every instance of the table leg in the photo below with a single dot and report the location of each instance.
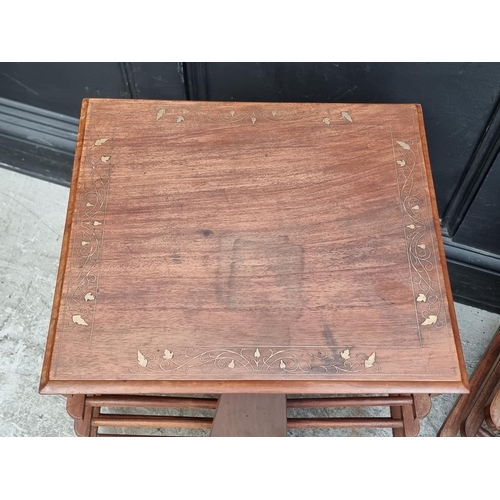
(422, 404)
(410, 416)
(80, 413)
(396, 413)
(75, 406)
(83, 425)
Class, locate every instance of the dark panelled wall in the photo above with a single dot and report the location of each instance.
(40, 105)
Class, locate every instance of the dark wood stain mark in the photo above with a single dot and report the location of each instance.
(328, 335)
(265, 272)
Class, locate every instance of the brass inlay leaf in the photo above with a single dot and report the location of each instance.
(105, 159)
(326, 121)
(257, 353)
(401, 163)
(421, 298)
(180, 119)
(415, 207)
(411, 226)
(370, 360)
(168, 354)
(231, 364)
(89, 297)
(346, 116)
(100, 142)
(404, 145)
(431, 320)
(141, 359)
(422, 246)
(160, 113)
(282, 365)
(346, 354)
(78, 320)
(96, 223)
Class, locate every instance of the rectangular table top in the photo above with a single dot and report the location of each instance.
(252, 247)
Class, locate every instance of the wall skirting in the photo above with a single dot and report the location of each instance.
(474, 276)
(37, 142)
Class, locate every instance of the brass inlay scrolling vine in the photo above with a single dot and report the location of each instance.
(252, 116)
(89, 234)
(418, 236)
(251, 359)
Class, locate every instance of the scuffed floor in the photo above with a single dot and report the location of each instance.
(32, 215)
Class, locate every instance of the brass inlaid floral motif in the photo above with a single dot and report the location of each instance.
(418, 236)
(252, 116)
(261, 359)
(89, 234)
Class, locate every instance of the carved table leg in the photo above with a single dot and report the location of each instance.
(422, 404)
(75, 406)
(83, 414)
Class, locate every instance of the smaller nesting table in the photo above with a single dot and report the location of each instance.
(478, 413)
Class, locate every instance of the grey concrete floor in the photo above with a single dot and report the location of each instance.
(32, 214)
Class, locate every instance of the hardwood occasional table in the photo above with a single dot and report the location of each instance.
(251, 250)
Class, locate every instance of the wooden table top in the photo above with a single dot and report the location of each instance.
(252, 247)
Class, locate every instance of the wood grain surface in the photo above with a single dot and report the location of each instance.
(250, 415)
(274, 248)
